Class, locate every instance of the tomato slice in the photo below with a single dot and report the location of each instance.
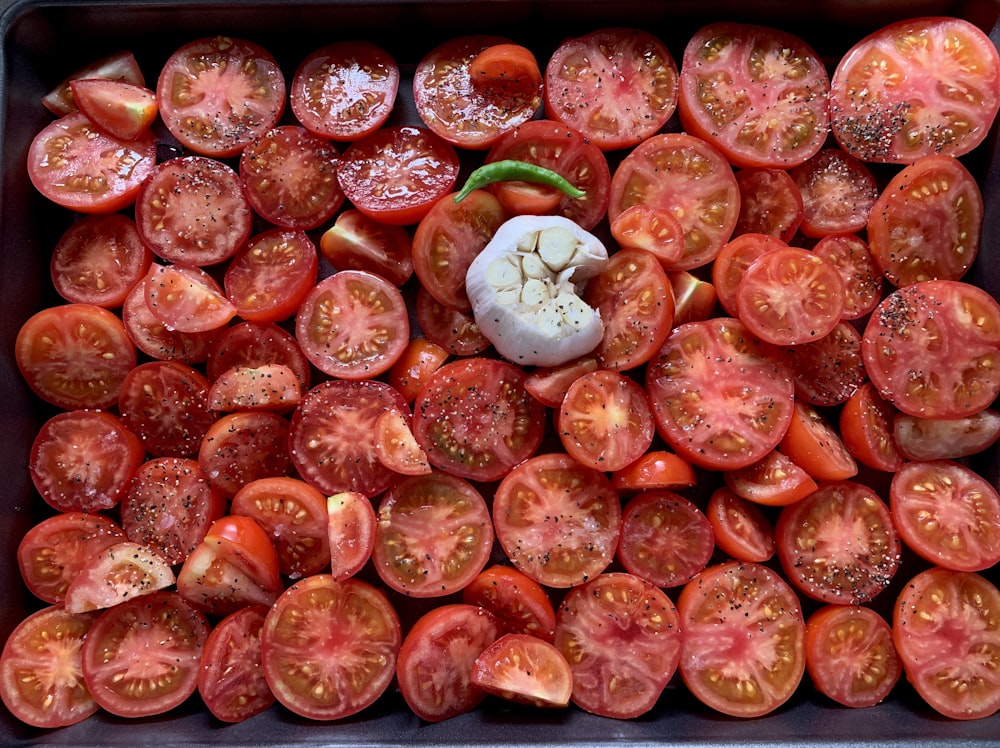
(244, 446)
(186, 298)
(148, 333)
(231, 681)
(433, 535)
(524, 669)
(839, 544)
(41, 669)
(732, 262)
(396, 447)
(268, 278)
(866, 428)
(927, 439)
(743, 649)
(329, 648)
(947, 636)
(219, 94)
(548, 384)
(357, 242)
(656, 469)
(759, 93)
(829, 370)
(838, 193)
(421, 358)
(719, 417)
(558, 521)
(774, 480)
(604, 617)
(453, 329)
(617, 86)
(119, 65)
(741, 529)
(850, 254)
(122, 109)
(813, 444)
(770, 203)
(505, 63)
(253, 344)
(653, 229)
(519, 603)
(850, 655)
(434, 669)
(142, 657)
(351, 532)
(273, 387)
(887, 100)
(122, 571)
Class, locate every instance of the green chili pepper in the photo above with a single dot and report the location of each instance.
(511, 170)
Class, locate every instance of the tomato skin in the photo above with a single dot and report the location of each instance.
(320, 633)
(231, 681)
(269, 277)
(357, 242)
(520, 604)
(656, 469)
(41, 669)
(524, 669)
(940, 620)
(119, 65)
(774, 480)
(928, 439)
(740, 528)
(813, 444)
(622, 638)
(421, 358)
(866, 428)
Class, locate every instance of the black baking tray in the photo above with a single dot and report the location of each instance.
(43, 41)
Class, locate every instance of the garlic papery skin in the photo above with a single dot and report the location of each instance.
(525, 288)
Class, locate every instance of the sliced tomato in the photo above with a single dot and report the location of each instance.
(218, 94)
(867, 431)
(395, 174)
(357, 242)
(153, 338)
(329, 648)
(719, 417)
(122, 571)
(453, 329)
(524, 669)
(743, 649)
(269, 277)
(122, 109)
(353, 325)
(617, 86)
(656, 469)
(850, 655)
(774, 480)
(770, 203)
(839, 543)
(548, 384)
(519, 603)
(838, 193)
(927, 439)
(186, 298)
(887, 99)
(396, 447)
(665, 538)
(421, 358)
(758, 92)
(850, 254)
(231, 681)
(505, 63)
(813, 444)
(142, 657)
(655, 230)
(694, 298)
(474, 418)
(946, 634)
(732, 262)
(471, 112)
(636, 304)
(77, 166)
(41, 669)
(558, 521)
(244, 446)
(741, 529)
(351, 532)
(273, 387)
(253, 344)
(120, 65)
(434, 669)
(830, 369)
(605, 617)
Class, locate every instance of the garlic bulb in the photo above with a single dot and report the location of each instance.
(525, 290)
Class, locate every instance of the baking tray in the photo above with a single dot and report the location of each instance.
(42, 41)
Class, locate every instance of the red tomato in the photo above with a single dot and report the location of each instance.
(565, 151)
(520, 604)
(719, 417)
(289, 176)
(558, 521)
(396, 447)
(474, 418)
(524, 669)
(701, 192)
(192, 210)
(151, 336)
(269, 277)
(273, 387)
(636, 304)
(944, 628)
(849, 253)
(216, 95)
(759, 93)
(53, 552)
(622, 638)
(838, 544)
(395, 174)
(351, 532)
(40, 669)
(345, 90)
(116, 66)
(331, 439)
(241, 447)
(165, 403)
(231, 680)
(122, 109)
(357, 242)
(76, 166)
(887, 100)
(329, 648)
(605, 420)
(448, 239)
(75, 355)
(665, 538)
(433, 535)
(99, 259)
(774, 480)
(657, 469)
(142, 657)
(82, 460)
(353, 325)
(253, 344)
(294, 515)
(471, 113)
(828, 370)
(838, 193)
(617, 86)
(866, 430)
(505, 63)
(453, 329)
(945, 513)
(790, 296)
(732, 262)
(548, 384)
(122, 571)
(932, 349)
(170, 506)
(813, 444)
(927, 439)
(850, 655)
(741, 529)
(186, 298)
(743, 649)
(927, 222)
(655, 230)
(770, 203)
(435, 662)
(421, 358)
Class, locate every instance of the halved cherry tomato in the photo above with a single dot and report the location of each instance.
(253, 344)
(741, 529)
(357, 242)
(505, 63)
(927, 439)
(520, 604)
(273, 387)
(152, 337)
(838, 193)
(828, 370)
(268, 278)
(186, 298)
(122, 571)
(867, 432)
(657, 469)
(121, 109)
(850, 254)
(453, 329)
(813, 444)
(421, 358)
(770, 203)
(731, 265)
(119, 65)
(774, 480)
(244, 446)
(652, 229)
(549, 384)
(396, 447)
(351, 531)
(231, 681)
(524, 669)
